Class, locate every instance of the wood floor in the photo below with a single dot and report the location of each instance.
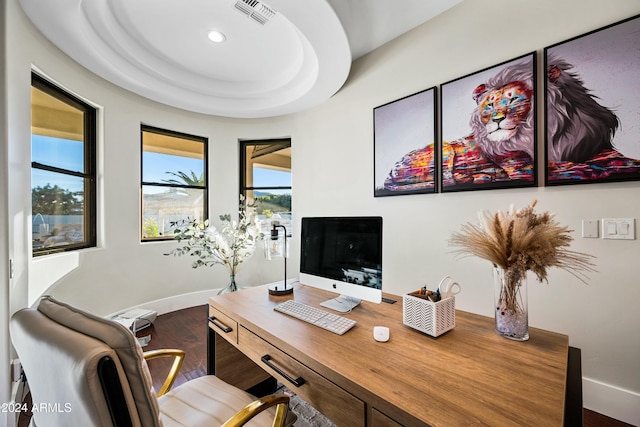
(187, 330)
(182, 329)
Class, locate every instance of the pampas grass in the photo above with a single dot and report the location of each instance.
(519, 241)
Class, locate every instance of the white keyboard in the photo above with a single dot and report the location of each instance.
(315, 316)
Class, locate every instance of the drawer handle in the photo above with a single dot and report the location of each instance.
(223, 328)
(295, 381)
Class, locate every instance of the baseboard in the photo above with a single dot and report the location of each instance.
(173, 303)
(179, 302)
(611, 401)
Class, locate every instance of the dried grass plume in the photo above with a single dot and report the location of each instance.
(518, 241)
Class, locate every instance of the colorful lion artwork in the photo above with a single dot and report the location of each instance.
(580, 132)
(500, 151)
(501, 147)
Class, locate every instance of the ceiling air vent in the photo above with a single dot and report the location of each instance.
(257, 10)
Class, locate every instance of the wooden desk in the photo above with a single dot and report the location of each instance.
(468, 376)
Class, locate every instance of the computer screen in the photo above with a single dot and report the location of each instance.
(344, 255)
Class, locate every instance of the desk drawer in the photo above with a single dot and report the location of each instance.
(338, 405)
(223, 325)
(378, 419)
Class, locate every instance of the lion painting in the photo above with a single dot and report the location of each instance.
(500, 148)
(580, 131)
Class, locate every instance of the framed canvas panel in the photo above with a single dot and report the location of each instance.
(404, 135)
(592, 100)
(489, 128)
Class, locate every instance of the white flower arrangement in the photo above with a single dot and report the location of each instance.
(230, 246)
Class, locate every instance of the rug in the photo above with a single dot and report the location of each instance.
(308, 416)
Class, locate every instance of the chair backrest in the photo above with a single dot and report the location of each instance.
(72, 358)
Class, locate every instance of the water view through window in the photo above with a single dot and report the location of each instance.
(62, 170)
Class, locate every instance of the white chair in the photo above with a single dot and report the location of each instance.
(95, 371)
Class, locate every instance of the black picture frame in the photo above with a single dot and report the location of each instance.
(487, 142)
(592, 99)
(405, 149)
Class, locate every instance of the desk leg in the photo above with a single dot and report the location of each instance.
(211, 351)
(573, 411)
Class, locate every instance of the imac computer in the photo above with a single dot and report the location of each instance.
(343, 255)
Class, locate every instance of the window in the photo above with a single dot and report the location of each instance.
(63, 170)
(265, 176)
(174, 180)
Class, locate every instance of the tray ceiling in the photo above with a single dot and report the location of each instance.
(278, 57)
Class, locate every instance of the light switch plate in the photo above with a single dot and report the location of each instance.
(618, 228)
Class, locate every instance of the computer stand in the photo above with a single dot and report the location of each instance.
(342, 303)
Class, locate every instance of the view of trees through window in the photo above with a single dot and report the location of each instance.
(63, 134)
(174, 185)
(266, 178)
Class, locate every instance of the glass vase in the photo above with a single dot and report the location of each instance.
(231, 287)
(511, 309)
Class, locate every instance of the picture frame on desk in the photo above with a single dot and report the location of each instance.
(405, 156)
(591, 106)
(488, 122)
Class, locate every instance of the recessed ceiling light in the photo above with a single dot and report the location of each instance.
(216, 36)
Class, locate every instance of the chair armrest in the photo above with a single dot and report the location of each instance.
(280, 401)
(178, 356)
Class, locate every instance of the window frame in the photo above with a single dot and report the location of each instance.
(90, 131)
(205, 187)
(286, 142)
(243, 162)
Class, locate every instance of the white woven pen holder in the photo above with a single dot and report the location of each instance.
(432, 318)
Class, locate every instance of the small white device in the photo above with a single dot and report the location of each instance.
(136, 319)
(381, 333)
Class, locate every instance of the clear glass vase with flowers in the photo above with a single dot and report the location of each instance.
(516, 242)
(230, 245)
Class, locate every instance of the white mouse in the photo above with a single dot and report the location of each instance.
(381, 333)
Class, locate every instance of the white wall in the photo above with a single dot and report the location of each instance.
(4, 247)
(600, 317)
(333, 174)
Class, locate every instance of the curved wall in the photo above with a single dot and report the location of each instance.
(121, 272)
(333, 175)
